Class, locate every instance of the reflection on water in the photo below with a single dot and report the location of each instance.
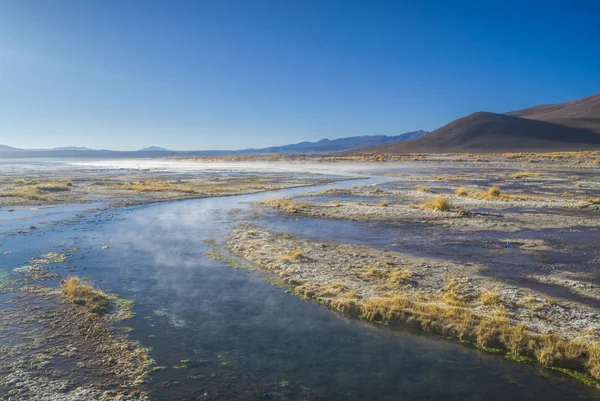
(224, 333)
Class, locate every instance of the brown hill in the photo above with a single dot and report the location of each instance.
(489, 132)
(580, 113)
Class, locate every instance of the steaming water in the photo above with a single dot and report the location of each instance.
(246, 339)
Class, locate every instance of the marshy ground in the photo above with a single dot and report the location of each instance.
(421, 246)
(507, 258)
(134, 187)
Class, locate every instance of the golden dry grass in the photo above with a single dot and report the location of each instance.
(454, 311)
(526, 174)
(289, 206)
(386, 275)
(292, 256)
(493, 192)
(489, 298)
(31, 192)
(439, 204)
(450, 317)
(154, 186)
(383, 203)
(84, 294)
(462, 191)
(35, 191)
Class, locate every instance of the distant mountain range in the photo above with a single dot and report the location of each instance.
(573, 125)
(322, 146)
(337, 145)
(153, 149)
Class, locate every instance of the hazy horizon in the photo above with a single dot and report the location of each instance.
(210, 75)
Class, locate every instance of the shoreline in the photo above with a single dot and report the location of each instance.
(400, 290)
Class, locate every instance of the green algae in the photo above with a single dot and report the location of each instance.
(582, 377)
(519, 358)
(122, 306)
(488, 349)
(49, 258)
(215, 254)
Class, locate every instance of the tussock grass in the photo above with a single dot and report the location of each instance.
(55, 186)
(154, 186)
(292, 256)
(387, 275)
(35, 191)
(421, 188)
(439, 204)
(31, 192)
(383, 203)
(454, 311)
(289, 206)
(493, 192)
(526, 174)
(462, 191)
(399, 276)
(489, 298)
(84, 294)
(493, 330)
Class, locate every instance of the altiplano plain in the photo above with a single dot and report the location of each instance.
(493, 254)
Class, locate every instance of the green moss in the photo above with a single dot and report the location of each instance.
(519, 358)
(123, 308)
(582, 377)
(488, 349)
(215, 254)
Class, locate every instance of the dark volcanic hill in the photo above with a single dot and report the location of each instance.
(581, 113)
(490, 132)
(573, 125)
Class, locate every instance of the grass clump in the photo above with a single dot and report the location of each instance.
(490, 298)
(289, 206)
(292, 256)
(462, 191)
(439, 204)
(493, 192)
(154, 186)
(85, 295)
(399, 276)
(525, 174)
(386, 275)
(383, 203)
(33, 190)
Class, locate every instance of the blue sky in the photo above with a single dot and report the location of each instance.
(229, 74)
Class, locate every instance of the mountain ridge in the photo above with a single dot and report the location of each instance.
(572, 125)
(321, 146)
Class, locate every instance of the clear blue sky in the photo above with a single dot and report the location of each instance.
(228, 74)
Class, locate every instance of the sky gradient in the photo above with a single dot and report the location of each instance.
(191, 75)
